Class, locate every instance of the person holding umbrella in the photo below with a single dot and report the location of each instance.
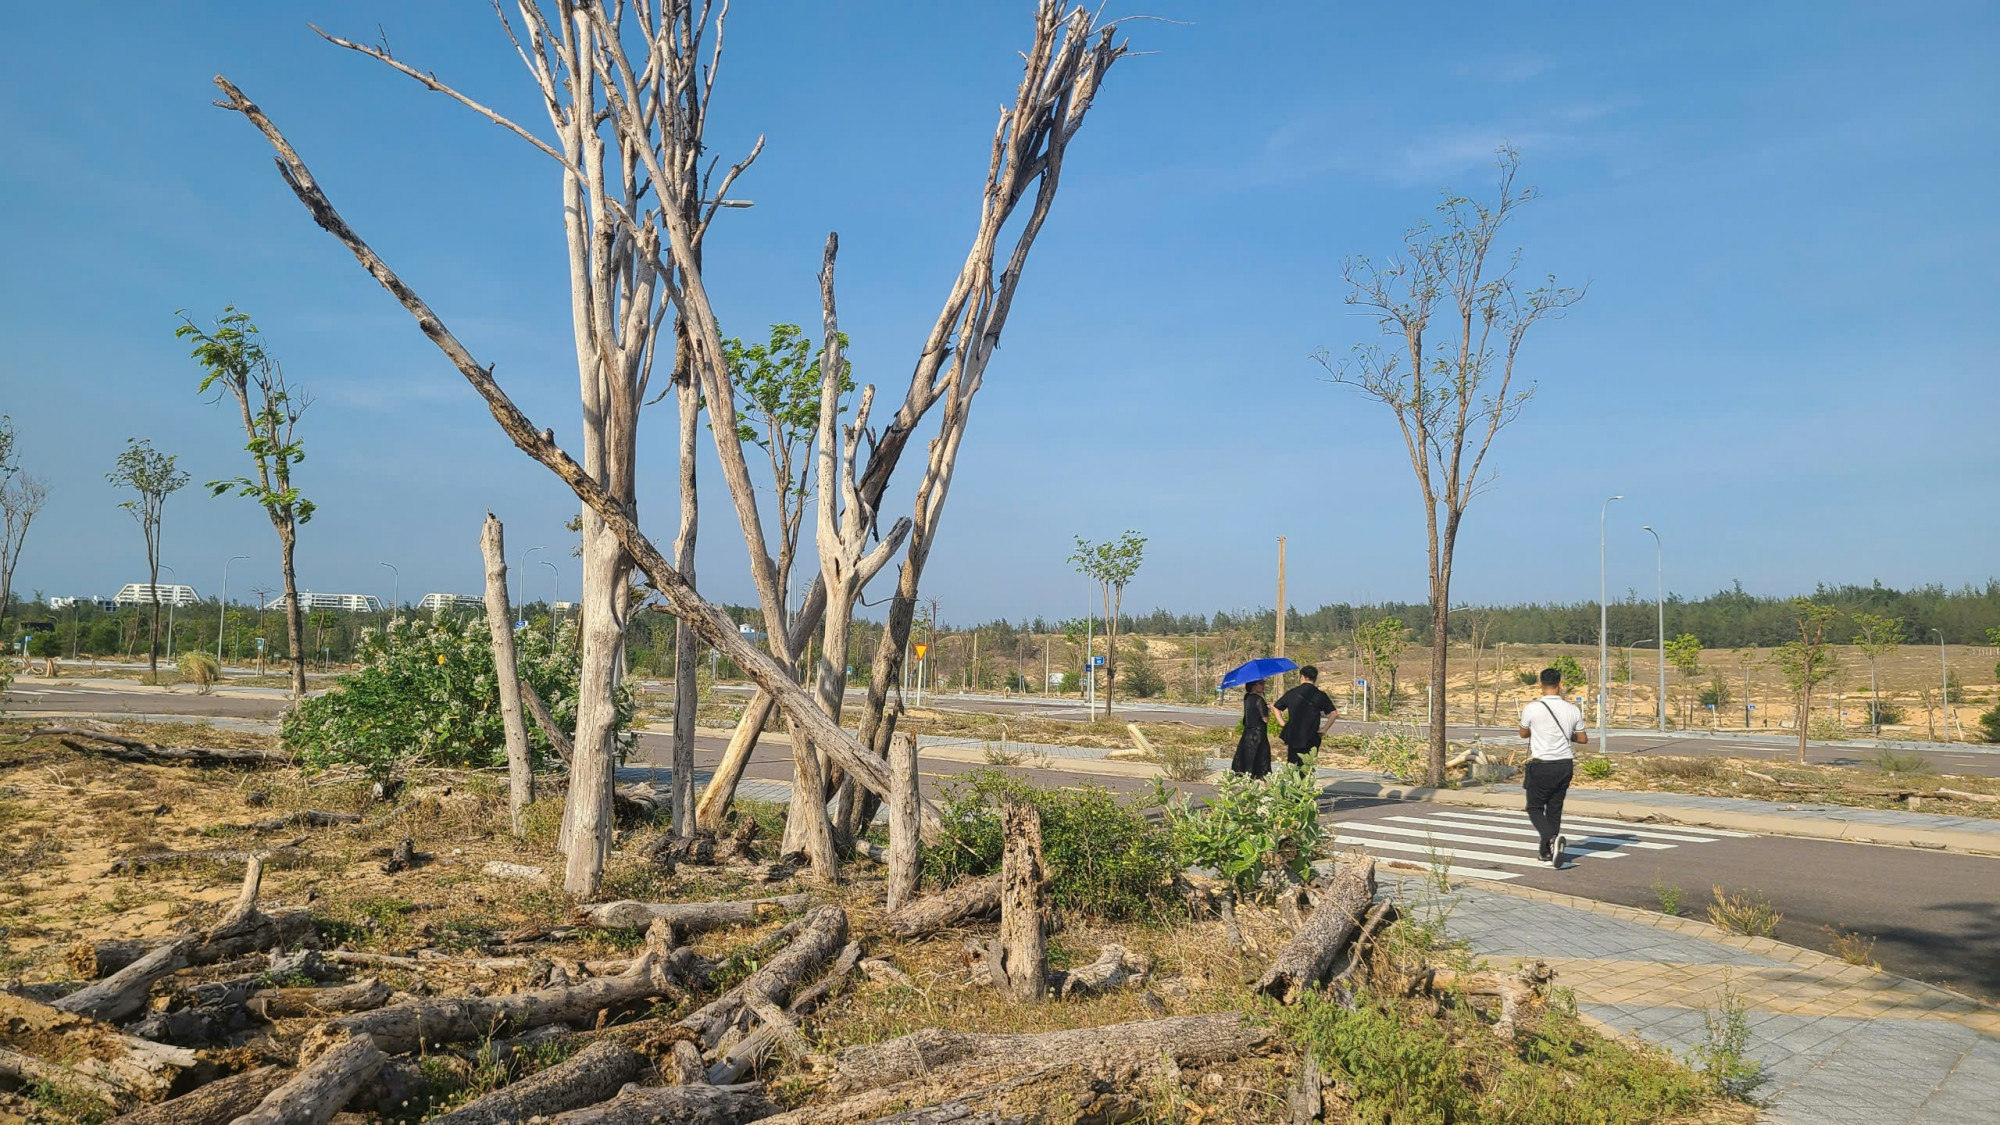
(1253, 746)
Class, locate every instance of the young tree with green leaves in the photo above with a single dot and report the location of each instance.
(1684, 653)
(1450, 396)
(1382, 644)
(233, 358)
(1810, 660)
(154, 477)
(1876, 635)
(1111, 564)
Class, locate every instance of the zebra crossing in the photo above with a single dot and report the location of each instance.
(1501, 844)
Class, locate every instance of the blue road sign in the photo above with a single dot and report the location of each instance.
(1097, 662)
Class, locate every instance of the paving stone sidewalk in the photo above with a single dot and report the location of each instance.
(1838, 1042)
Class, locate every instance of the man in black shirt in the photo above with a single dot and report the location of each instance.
(1302, 707)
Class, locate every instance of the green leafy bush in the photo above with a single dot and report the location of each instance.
(1989, 725)
(1595, 768)
(1105, 858)
(1252, 829)
(426, 694)
(1397, 750)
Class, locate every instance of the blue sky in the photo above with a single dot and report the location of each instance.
(1783, 211)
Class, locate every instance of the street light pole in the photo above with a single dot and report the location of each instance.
(1628, 664)
(1603, 622)
(396, 585)
(170, 607)
(1944, 685)
(1660, 600)
(521, 603)
(222, 614)
(553, 598)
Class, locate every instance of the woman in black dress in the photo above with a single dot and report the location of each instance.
(1253, 747)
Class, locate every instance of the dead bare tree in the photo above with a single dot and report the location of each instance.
(21, 499)
(1062, 72)
(1451, 401)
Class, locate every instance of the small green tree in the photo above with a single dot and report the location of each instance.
(1876, 635)
(1142, 676)
(1112, 564)
(1684, 653)
(1382, 644)
(154, 477)
(233, 356)
(1573, 673)
(1810, 660)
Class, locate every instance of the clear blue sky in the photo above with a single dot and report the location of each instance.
(1784, 212)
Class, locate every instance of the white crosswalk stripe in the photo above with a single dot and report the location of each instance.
(1489, 843)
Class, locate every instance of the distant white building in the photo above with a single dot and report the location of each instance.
(563, 607)
(142, 593)
(452, 601)
(105, 604)
(353, 603)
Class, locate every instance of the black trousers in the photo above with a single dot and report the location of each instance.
(1547, 783)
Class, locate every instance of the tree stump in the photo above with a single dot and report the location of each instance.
(905, 822)
(1305, 961)
(1023, 964)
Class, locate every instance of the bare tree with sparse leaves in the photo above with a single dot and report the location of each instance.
(1449, 397)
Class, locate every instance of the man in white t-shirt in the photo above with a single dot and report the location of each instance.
(1550, 724)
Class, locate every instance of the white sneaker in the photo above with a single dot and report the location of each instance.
(1556, 853)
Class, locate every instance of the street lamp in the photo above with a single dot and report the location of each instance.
(1660, 599)
(222, 614)
(1628, 664)
(521, 603)
(1944, 684)
(1603, 622)
(396, 585)
(557, 596)
(170, 608)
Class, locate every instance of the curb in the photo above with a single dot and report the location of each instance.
(1768, 947)
(1830, 828)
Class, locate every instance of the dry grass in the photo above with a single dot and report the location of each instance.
(1748, 913)
(1763, 780)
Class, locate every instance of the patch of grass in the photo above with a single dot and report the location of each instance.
(1182, 763)
(1851, 947)
(997, 754)
(1749, 913)
(1670, 896)
(1597, 769)
(363, 919)
(541, 824)
(1888, 761)
(1681, 769)
(66, 1104)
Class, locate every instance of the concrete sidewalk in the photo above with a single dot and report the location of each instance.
(1837, 1042)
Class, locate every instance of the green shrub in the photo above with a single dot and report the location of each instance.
(1596, 769)
(198, 668)
(1888, 761)
(1138, 676)
(1252, 829)
(1105, 858)
(1989, 725)
(426, 694)
(1397, 750)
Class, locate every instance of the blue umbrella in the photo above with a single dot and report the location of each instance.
(1258, 670)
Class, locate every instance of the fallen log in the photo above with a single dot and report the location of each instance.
(304, 818)
(1060, 1094)
(24, 1069)
(675, 1105)
(691, 917)
(291, 1003)
(744, 1057)
(1116, 967)
(1963, 795)
(212, 1103)
(974, 898)
(93, 959)
(499, 869)
(401, 1028)
(1517, 990)
(146, 753)
(319, 1090)
(1306, 959)
(592, 1075)
(124, 992)
(134, 864)
(139, 1070)
(1189, 1040)
(825, 933)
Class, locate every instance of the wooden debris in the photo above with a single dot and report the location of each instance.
(212, 1103)
(882, 972)
(498, 869)
(292, 1003)
(1189, 1040)
(824, 935)
(590, 1076)
(1306, 959)
(134, 864)
(304, 818)
(680, 1105)
(319, 1090)
(974, 898)
(1019, 956)
(27, 1068)
(744, 1056)
(124, 992)
(402, 857)
(1116, 967)
(101, 1057)
(1963, 795)
(977, 1094)
(129, 749)
(692, 917)
(1517, 990)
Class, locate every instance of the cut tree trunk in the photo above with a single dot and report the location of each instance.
(1191, 1041)
(905, 823)
(292, 1003)
(146, 753)
(124, 992)
(687, 397)
(974, 898)
(1022, 966)
(507, 671)
(825, 933)
(590, 1076)
(1517, 990)
(401, 1028)
(318, 1091)
(675, 1105)
(212, 1103)
(1116, 967)
(101, 958)
(1305, 961)
(739, 1060)
(976, 1094)
(139, 1070)
(692, 917)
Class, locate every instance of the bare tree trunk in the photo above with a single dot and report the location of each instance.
(295, 619)
(905, 822)
(1023, 959)
(721, 787)
(679, 1105)
(1305, 961)
(506, 670)
(686, 697)
(153, 635)
(318, 1091)
(587, 816)
(213, 1103)
(592, 1075)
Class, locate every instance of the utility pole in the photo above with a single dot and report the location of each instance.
(1660, 600)
(1944, 685)
(1281, 606)
(1603, 623)
(221, 616)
